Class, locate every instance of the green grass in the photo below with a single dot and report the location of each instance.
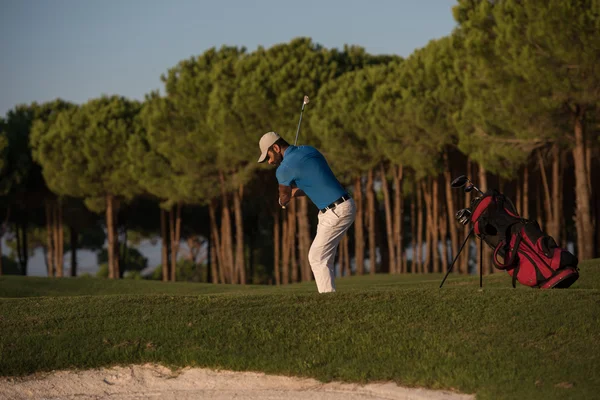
(498, 342)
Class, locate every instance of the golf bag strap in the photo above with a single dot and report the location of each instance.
(513, 254)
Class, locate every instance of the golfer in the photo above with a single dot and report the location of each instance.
(303, 171)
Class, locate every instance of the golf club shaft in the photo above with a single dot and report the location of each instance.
(299, 122)
(475, 187)
(304, 102)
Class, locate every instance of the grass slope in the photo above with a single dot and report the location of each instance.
(498, 342)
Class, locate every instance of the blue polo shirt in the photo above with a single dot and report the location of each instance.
(305, 167)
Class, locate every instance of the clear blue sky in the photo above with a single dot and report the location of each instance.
(80, 49)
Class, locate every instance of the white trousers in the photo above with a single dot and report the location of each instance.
(331, 228)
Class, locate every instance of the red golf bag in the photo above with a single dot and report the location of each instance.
(520, 247)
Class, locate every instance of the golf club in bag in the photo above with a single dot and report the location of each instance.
(521, 248)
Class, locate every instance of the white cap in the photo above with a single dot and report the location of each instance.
(267, 140)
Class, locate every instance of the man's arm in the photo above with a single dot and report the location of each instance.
(287, 192)
(285, 195)
(297, 192)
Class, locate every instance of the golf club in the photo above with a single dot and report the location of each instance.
(304, 102)
(462, 181)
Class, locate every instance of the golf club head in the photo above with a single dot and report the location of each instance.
(469, 188)
(459, 182)
(475, 200)
(305, 100)
(463, 216)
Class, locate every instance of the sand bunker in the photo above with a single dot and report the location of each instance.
(157, 382)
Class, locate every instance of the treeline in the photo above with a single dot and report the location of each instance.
(509, 98)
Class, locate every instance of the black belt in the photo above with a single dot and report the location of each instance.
(336, 203)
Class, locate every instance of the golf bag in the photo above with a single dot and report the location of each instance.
(521, 248)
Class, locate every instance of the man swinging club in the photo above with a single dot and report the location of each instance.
(303, 171)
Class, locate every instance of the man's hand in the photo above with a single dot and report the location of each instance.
(285, 195)
(287, 192)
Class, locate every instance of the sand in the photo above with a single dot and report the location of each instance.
(157, 382)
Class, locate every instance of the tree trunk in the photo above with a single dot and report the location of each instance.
(419, 207)
(303, 237)
(466, 253)
(61, 240)
(74, 245)
(164, 245)
(435, 226)
(597, 246)
(218, 274)
(340, 258)
(430, 194)
(3, 229)
(175, 238)
(226, 243)
(428, 240)
(240, 262)
(58, 270)
(112, 273)
(483, 184)
(556, 194)
(549, 212)
(371, 222)
(388, 222)
(525, 193)
(413, 232)
(430, 227)
(538, 208)
(588, 165)
(487, 266)
(443, 224)
(518, 197)
(2, 232)
(359, 238)
(596, 204)
(49, 238)
(116, 253)
(452, 226)
(345, 250)
(210, 277)
(292, 240)
(398, 219)
(173, 246)
(285, 262)
(585, 230)
(226, 235)
(277, 246)
(593, 250)
(562, 215)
